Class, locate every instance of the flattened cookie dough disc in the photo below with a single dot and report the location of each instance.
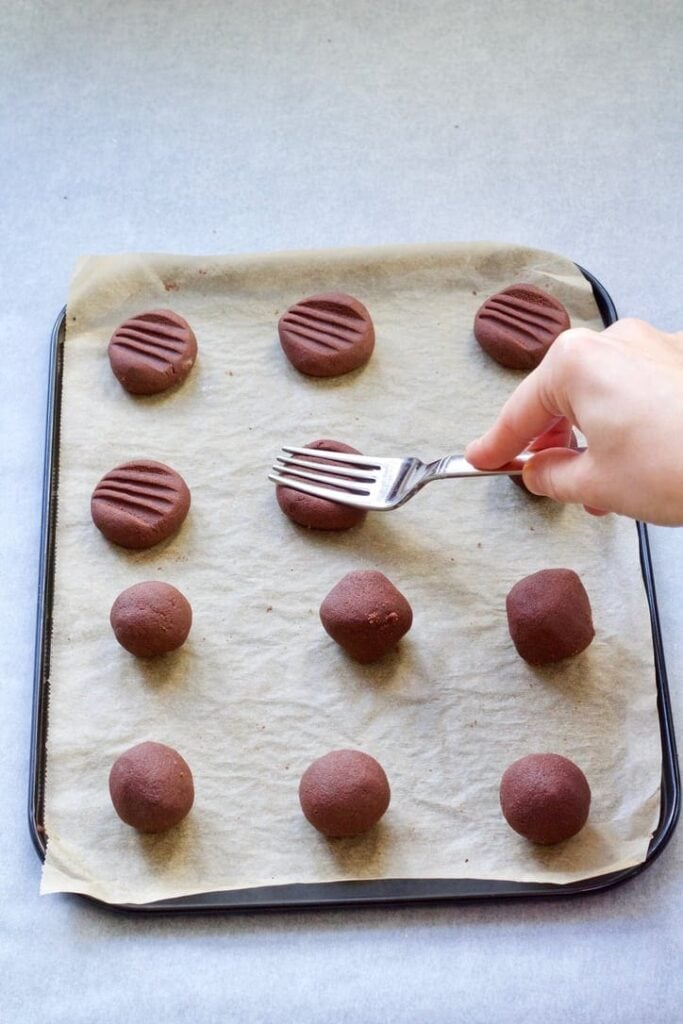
(139, 504)
(318, 513)
(518, 325)
(344, 793)
(151, 618)
(545, 797)
(327, 335)
(151, 787)
(152, 352)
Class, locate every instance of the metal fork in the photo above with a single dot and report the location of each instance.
(363, 481)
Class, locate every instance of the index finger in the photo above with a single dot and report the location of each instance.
(533, 408)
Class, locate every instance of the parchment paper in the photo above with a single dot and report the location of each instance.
(259, 690)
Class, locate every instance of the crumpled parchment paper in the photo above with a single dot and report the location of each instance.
(260, 690)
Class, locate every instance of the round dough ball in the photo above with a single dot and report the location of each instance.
(549, 616)
(151, 618)
(318, 513)
(366, 615)
(545, 797)
(151, 787)
(344, 793)
(517, 326)
(327, 335)
(152, 352)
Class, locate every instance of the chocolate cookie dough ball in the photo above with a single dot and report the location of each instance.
(318, 513)
(152, 351)
(327, 335)
(151, 787)
(545, 798)
(366, 615)
(517, 326)
(151, 618)
(139, 504)
(559, 436)
(549, 616)
(344, 793)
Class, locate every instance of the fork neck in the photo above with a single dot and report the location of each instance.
(458, 466)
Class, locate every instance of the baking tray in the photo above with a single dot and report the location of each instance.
(380, 892)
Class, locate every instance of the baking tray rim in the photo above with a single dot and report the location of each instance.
(341, 894)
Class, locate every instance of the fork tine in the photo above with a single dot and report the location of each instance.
(359, 474)
(318, 453)
(356, 500)
(330, 481)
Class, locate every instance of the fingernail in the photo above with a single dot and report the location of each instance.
(471, 449)
(530, 477)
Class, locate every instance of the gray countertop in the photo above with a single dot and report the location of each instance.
(232, 126)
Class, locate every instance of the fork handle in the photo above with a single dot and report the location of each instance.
(458, 466)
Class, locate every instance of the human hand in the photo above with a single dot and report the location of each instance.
(623, 389)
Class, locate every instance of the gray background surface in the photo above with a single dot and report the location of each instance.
(226, 127)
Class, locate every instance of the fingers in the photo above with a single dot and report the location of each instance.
(558, 436)
(564, 475)
(543, 397)
(524, 416)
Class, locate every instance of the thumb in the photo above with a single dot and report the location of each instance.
(562, 474)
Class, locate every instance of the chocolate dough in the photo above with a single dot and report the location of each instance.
(344, 793)
(327, 335)
(366, 615)
(151, 618)
(152, 351)
(151, 787)
(545, 797)
(139, 504)
(517, 325)
(318, 513)
(549, 615)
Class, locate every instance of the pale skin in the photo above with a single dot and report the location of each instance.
(623, 389)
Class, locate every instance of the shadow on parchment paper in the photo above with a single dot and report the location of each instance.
(562, 856)
(166, 671)
(155, 560)
(501, 494)
(388, 532)
(382, 535)
(382, 673)
(361, 856)
(571, 675)
(164, 851)
(158, 560)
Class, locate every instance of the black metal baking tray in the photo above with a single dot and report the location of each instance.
(382, 892)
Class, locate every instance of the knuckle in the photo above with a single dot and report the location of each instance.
(629, 330)
(570, 346)
(632, 323)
